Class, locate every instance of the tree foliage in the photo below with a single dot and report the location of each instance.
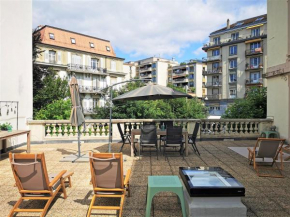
(155, 109)
(253, 106)
(57, 110)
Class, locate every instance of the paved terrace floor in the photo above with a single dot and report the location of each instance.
(264, 196)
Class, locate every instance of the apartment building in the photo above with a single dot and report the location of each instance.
(188, 75)
(236, 60)
(154, 68)
(92, 60)
(129, 69)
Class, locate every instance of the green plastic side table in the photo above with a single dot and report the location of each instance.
(269, 134)
(158, 184)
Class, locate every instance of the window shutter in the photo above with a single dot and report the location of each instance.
(102, 63)
(89, 61)
(46, 56)
(68, 58)
(59, 57)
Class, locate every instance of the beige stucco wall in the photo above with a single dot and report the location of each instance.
(198, 79)
(16, 62)
(278, 87)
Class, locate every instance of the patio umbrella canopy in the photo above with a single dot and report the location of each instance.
(152, 92)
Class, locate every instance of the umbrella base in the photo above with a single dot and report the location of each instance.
(75, 158)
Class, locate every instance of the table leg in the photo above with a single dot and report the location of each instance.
(4, 145)
(132, 146)
(186, 144)
(28, 142)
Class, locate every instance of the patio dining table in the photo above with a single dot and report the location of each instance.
(160, 132)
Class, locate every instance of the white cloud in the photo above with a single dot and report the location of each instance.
(147, 28)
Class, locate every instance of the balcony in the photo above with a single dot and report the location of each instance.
(213, 71)
(180, 80)
(250, 67)
(232, 81)
(146, 75)
(233, 96)
(86, 69)
(144, 69)
(255, 51)
(254, 82)
(212, 97)
(89, 110)
(212, 58)
(213, 84)
(89, 89)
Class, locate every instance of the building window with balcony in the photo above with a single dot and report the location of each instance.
(215, 66)
(255, 62)
(232, 78)
(191, 84)
(233, 93)
(255, 47)
(154, 65)
(235, 36)
(233, 50)
(216, 40)
(154, 72)
(94, 63)
(216, 52)
(255, 32)
(52, 56)
(51, 36)
(255, 77)
(233, 63)
(191, 68)
(191, 76)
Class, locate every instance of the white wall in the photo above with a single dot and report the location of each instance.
(161, 73)
(16, 61)
(198, 79)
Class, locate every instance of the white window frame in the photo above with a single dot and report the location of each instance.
(108, 48)
(216, 40)
(216, 52)
(233, 50)
(73, 40)
(235, 36)
(51, 56)
(92, 45)
(113, 65)
(255, 32)
(233, 66)
(255, 62)
(51, 36)
(94, 63)
(232, 77)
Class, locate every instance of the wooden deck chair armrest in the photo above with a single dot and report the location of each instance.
(250, 150)
(108, 189)
(57, 178)
(126, 181)
(68, 175)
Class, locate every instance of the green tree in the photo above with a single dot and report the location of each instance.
(57, 110)
(253, 106)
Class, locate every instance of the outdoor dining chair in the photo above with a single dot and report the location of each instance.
(108, 180)
(164, 124)
(148, 138)
(267, 148)
(34, 183)
(126, 137)
(192, 138)
(173, 140)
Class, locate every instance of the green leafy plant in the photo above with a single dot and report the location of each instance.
(5, 126)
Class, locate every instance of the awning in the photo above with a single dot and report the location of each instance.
(213, 48)
(251, 27)
(254, 40)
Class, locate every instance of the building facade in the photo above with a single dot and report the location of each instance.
(92, 60)
(154, 68)
(278, 71)
(188, 75)
(236, 60)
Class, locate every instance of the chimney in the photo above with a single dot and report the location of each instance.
(228, 23)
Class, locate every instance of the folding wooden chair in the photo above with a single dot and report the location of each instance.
(267, 148)
(108, 180)
(33, 181)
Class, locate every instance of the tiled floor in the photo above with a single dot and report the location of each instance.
(264, 196)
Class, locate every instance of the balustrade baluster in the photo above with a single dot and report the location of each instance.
(54, 130)
(251, 127)
(87, 130)
(65, 131)
(59, 131)
(48, 130)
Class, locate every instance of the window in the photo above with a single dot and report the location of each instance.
(239, 23)
(52, 56)
(191, 76)
(191, 69)
(235, 36)
(259, 19)
(73, 41)
(94, 63)
(154, 65)
(92, 45)
(255, 45)
(215, 66)
(216, 40)
(216, 52)
(233, 50)
(108, 48)
(191, 84)
(255, 62)
(255, 32)
(255, 77)
(233, 64)
(233, 93)
(113, 65)
(232, 78)
(154, 79)
(154, 72)
(51, 36)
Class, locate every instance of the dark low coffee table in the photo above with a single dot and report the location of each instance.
(211, 191)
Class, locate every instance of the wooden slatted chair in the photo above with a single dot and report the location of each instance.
(267, 148)
(33, 181)
(108, 180)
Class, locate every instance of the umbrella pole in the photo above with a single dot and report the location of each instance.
(79, 142)
(110, 124)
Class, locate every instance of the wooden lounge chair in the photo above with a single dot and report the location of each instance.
(267, 148)
(108, 180)
(33, 181)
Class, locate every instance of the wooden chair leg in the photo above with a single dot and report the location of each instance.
(15, 207)
(121, 205)
(91, 205)
(47, 206)
(63, 188)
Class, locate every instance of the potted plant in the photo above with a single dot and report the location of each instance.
(6, 127)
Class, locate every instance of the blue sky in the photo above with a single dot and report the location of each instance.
(140, 29)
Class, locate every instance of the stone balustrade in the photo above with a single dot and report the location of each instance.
(46, 130)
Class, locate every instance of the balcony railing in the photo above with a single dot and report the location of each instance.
(213, 71)
(89, 89)
(145, 69)
(251, 81)
(254, 51)
(212, 97)
(180, 80)
(84, 68)
(233, 96)
(232, 81)
(46, 130)
(212, 58)
(254, 67)
(213, 84)
(147, 75)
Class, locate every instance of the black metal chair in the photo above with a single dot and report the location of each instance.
(192, 138)
(149, 124)
(165, 124)
(148, 138)
(174, 140)
(126, 137)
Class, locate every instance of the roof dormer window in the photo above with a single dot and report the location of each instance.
(239, 23)
(108, 48)
(73, 41)
(51, 36)
(92, 45)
